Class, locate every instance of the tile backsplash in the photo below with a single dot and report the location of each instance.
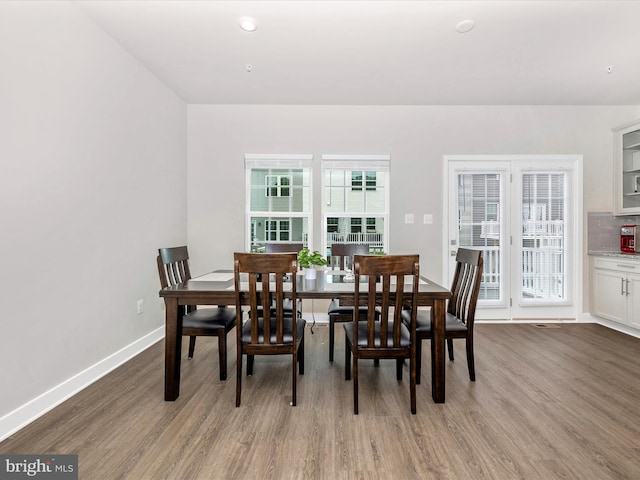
(603, 231)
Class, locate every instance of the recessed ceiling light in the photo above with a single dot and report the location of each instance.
(465, 25)
(248, 24)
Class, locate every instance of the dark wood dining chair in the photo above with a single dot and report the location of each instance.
(173, 268)
(342, 257)
(282, 247)
(279, 247)
(389, 337)
(274, 333)
(461, 310)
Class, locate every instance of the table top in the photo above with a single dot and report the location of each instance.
(329, 284)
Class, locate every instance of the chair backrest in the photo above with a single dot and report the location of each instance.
(342, 254)
(466, 285)
(271, 268)
(173, 266)
(283, 247)
(386, 268)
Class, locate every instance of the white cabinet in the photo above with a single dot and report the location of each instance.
(615, 290)
(626, 155)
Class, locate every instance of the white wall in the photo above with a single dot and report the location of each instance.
(93, 181)
(416, 137)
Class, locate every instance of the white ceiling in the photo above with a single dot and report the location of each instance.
(384, 52)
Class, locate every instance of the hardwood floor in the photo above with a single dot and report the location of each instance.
(550, 403)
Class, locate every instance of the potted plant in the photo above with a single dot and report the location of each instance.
(308, 260)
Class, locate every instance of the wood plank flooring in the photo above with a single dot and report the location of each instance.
(555, 403)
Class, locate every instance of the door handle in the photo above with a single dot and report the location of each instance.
(627, 287)
(622, 286)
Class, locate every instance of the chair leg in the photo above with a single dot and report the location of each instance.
(249, 365)
(192, 345)
(418, 359)
(238, 376)
(347, 360)
(399, 364)
(355, 385)
(222, 354)
(332, 326)
(412, 384)
(301, 357)
(294, 377)
(470, 359)
(450, 348)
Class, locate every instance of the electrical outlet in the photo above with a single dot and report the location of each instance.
(428, 219)
(408, 218)
(140, 306)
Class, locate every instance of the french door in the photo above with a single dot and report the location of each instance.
(522, 212)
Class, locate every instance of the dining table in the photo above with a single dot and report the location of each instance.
(217, 288)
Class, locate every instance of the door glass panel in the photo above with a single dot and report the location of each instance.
(544, 215)
(479, 225)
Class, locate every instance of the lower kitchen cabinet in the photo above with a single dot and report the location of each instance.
(615, 289)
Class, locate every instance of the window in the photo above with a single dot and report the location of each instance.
(371, 225)
(278, 185)
(277, 230)
(355, 200)
(369, 177)
(278, 199)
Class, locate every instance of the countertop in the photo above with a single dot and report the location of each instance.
(628, 256)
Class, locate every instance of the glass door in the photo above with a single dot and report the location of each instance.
(520, 213)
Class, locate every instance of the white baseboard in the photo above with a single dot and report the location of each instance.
(30, 411)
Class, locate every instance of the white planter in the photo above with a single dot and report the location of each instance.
(310, 273)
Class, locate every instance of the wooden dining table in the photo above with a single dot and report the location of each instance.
(217, 288)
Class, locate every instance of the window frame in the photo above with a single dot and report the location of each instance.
(365, 164)
(278, 161)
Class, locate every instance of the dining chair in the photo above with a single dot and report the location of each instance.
(283, 247)
(342, 258)
(461, 309)
(389, 337)
(173, 268)
(275, 332)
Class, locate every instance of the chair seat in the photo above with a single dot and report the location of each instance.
(336, 309)
(210, 318)
(405, 335)
(423, 322)
(287, 334)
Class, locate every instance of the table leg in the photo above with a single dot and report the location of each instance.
(437, 351)
(172, 350)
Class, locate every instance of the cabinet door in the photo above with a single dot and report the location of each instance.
(607, 295)
(633, 300)
(626, 167)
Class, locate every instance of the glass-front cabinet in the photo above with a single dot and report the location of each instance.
(626, 144)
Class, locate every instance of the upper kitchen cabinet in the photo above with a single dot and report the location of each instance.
(626, 154)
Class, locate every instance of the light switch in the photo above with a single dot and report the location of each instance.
(408, 218)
